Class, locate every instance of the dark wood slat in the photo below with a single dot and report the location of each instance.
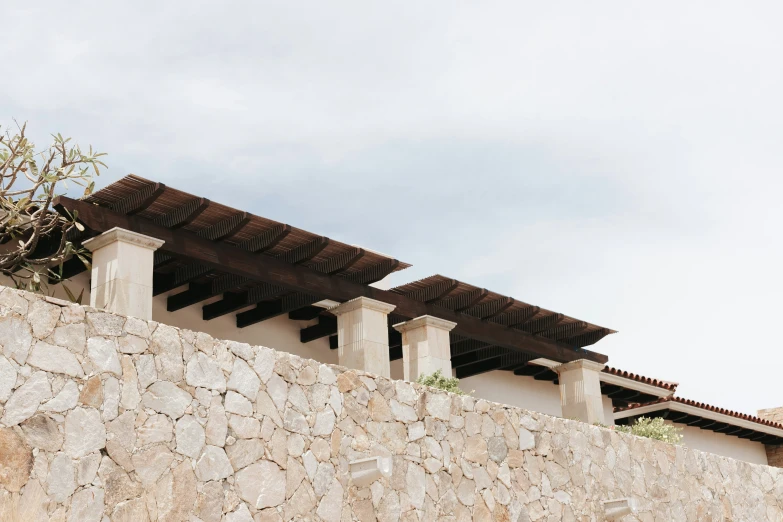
(333, 343)
(139, 201)
(531, 370)
(267, 240)
(489, 352)
(490, 364)
(468, 346)
(162, 259)
(395, 353)
(542, 324)
(464, 301)
(586, 339)
(547, 375)
(201, 293)
(308, 313)
(265, 311)
(298, 278)
(395, 338)
(326, 326)
(184, 274)
(183, 215)
(339, 263)
(305, 252)
(435, 292)
(516, 317)
(373, 274)
(491, 309)
(564, 331)
(728, 430)
(233, 301)
(676, 416)
(225, 228)
(198, 292)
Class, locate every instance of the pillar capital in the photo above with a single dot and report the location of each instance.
(362, 303)
(125, 236)
(363, 335)
(579, 364)
(580, 391)
(425, 320)
(425, 346)
(121, 276)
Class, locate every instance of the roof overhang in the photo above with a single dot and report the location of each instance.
(252, 261)
(699, 412)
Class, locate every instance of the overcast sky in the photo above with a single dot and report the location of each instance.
(619, 162)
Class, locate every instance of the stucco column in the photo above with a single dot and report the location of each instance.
(363, 335)
(425, 346)
(580, 391)
(121, 279)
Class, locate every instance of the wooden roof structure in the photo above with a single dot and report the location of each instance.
(214, 250)
(706, 417)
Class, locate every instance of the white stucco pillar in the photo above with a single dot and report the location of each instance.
(363, 335)
(580, 391)
(425, 346)
(121, 279)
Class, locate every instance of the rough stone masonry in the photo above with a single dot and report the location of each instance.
(113, 418)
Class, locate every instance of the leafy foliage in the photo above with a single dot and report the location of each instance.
(654, 429)
(440, 381)
(34, 237)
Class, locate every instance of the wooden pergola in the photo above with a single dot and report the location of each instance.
(263, 269)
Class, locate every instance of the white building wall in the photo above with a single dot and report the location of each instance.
(726, 445)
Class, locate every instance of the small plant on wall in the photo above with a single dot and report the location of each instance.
(654, 429)
(440, 381)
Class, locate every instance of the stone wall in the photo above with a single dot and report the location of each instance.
(109, 416)
(774, 451)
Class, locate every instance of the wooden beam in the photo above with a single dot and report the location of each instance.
(162, 259)
(298, 278)
(268, 310)
(227, 282)
(489, 352)
(183, 275)
(468, 346)
(198, 292)
(333, 342)
(327, 325)
(139, 201)
(308, 313)
(516, 317)
(183, 215)
(233, 301)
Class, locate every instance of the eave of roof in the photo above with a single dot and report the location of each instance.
(706, 410)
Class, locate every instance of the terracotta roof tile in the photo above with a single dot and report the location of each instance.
(708, 407)
(666, 385)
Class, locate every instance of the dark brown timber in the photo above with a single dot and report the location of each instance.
(297, 278)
